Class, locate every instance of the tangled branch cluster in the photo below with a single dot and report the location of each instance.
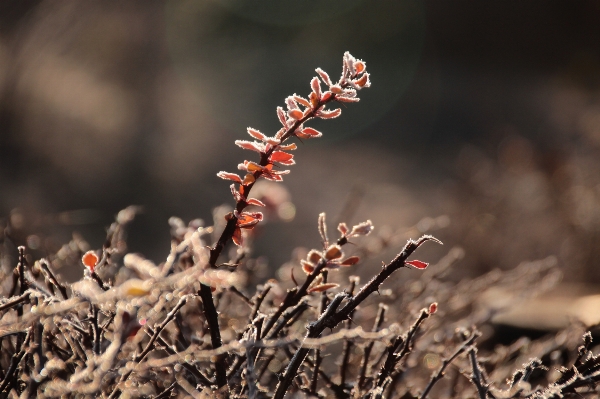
(190, 327)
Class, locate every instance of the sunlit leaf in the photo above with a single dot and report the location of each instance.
(315, 84)
(256, 134)
(352, 260)
(237, 237)
(230, 176)
(324, 76)
(417, 264)
(323, 287)
(255, 202)
(282, 157)
(90, 259)
(295, 114)
(333, 252)
(307, 267)
(329, 114)
(250, 145)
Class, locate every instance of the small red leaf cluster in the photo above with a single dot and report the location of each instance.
(244, 220)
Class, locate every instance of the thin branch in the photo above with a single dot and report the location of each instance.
(347, 343)
(14, 363)
(212, 318)
(314, 331)
(476, 378)
(320, 309)
(436, 376)
(45, 266)
(377, 325)
(149, 346)
(406, 341)
(259, 299)
(16, 301)
(166, 394)
(201, 378)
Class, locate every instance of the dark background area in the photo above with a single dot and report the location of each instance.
(486, 113)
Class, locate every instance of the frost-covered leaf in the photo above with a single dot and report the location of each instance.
(282, 157)
(256, 134)
(315, 84)
(323, 114)
(324, 76)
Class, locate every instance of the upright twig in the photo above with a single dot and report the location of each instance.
(320, 309)
(406, 342)
(8, 380)
(347, 343)
(477, 377)
(365, 362)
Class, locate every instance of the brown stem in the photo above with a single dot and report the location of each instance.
(318, 358)
(149, 346)
(15, 301)
(394, 358)
(200, 378)
(14, 363)
(436, 376)
(347, 343)
(363, 367)
(212, 318)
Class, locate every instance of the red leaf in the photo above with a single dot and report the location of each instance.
(282, 157)
(254, 201)
(352, 260)
(311, 133)
(323, 287)
(333, 252)
(90, 259)
(301, 100)
(249, 219)
(359, 66)
(256, 134)
(253, 166)
(307, 267)
(326, 96)
(295, 114)
(363, 81)
(329, 114)
(236, 194)
(281, 116)
(315, 84)
(248, 179)
(288, 147)
(230, 176)
(342, 99)
(250, 145)
(433, 308)
(314, 256)
(237, 237)
(324, 76)
(417, 264)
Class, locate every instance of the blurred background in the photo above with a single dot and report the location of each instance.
(482, 124)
